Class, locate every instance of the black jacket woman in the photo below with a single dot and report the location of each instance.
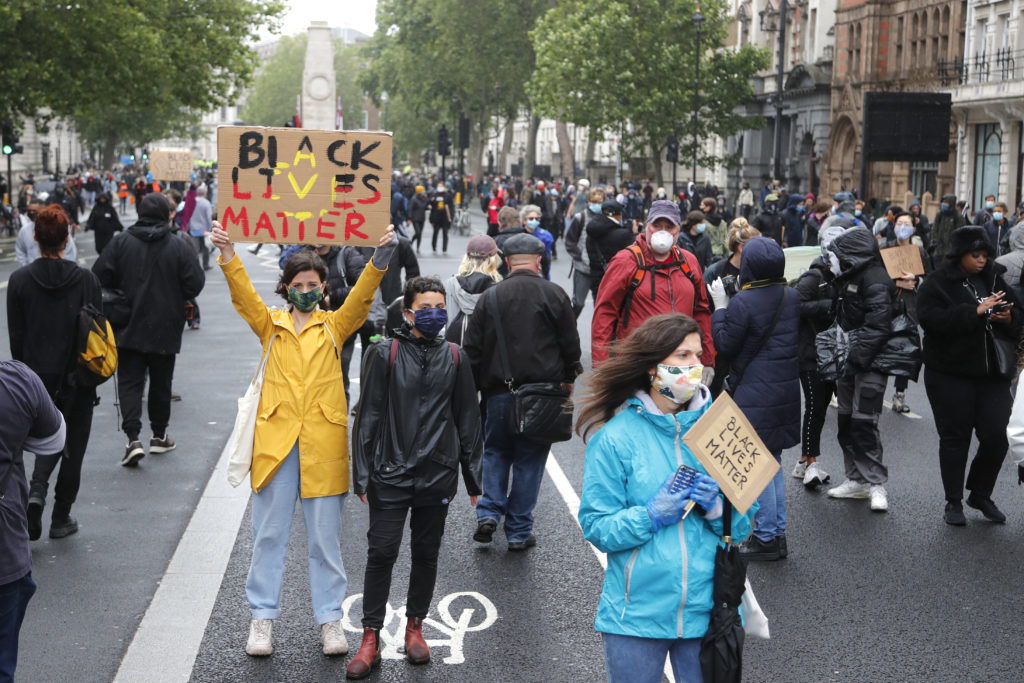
(103, 221)
(44, 299)
(417, 423)
(969, 315)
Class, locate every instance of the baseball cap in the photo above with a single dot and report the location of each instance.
(663, 208)
(481, 245)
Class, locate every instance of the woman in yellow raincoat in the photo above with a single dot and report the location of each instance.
(301, 443)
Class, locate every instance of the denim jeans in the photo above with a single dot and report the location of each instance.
(770, 518)
(272, 511)
(505, 453)
(630, 659)
(14, 597)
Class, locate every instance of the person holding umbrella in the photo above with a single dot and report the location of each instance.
(657, 594)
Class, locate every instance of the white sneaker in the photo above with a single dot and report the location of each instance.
(850, 489)
(332, 635)
(800, 469)
(261, 639)
(815, 476)
(879, 499)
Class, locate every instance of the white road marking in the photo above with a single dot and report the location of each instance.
(167, 641)
(572, 501)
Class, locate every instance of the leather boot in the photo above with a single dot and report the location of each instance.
(416, 649)
(367, 657)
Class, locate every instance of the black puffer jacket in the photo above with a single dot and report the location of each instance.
(816, 288)
(866, 295)
(699, 245)
(955, 341)
(157, 271)
(605, 238)
(417, 422)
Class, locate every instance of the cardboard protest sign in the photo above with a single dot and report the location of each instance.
(302, 186)
(170, 165)
(905, 258)
(732, 452)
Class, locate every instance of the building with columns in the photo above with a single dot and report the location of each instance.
(889, 45)
(987, 88)
(806, 116)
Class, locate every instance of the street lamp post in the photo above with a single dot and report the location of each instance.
(698, 21)
(766, 25)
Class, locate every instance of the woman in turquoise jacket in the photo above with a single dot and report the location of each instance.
(656, 598)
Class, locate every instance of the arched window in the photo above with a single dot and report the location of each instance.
(988, 145)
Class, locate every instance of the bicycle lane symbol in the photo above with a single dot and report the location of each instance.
(454, 629)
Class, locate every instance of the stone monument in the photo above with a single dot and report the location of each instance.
(318, 83)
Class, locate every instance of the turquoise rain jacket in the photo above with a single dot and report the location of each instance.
(658, 584)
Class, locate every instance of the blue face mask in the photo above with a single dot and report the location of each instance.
(945, 206)
(429, 321)
(533, 224)
(305, 301)
(997, 216)
(858, 213)
(595, 208)
(903, 232)
(990, 205)
(701, 227)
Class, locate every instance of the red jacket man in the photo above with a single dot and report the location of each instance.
(678, 285)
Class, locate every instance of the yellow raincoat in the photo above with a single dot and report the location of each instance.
(303, 395)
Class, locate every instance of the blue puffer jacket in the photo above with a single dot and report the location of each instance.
(657, 584)
(769, 392)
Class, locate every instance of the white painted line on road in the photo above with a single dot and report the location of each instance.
(572, 501)
(167, 641)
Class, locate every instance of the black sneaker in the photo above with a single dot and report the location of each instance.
(783, 548)
(133, 453)
(954, 514)
(517, 546)
(987, 507)
(485, 531)
(175, 396)
(760, 551)
(161, 444)
(35, 517)
(59, 528)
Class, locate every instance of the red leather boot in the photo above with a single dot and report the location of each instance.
(416, 649)
(367, 657)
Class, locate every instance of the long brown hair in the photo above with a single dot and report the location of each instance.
(626, 372)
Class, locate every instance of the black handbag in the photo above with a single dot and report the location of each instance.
(832, 346)
(901, 356)
(541, 411)
(116, 307)
(1005, 353)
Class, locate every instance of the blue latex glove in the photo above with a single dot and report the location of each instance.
(705, 492)
(666, 508)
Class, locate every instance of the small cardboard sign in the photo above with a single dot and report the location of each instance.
(302, 186)
(732, 452)
(905, 258)
(171, 165)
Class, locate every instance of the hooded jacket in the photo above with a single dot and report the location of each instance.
(816, 287)
(43, 302)
(946, 221)
(605, 238)
(769, 390)
(418, 207)
(462, 292)
(658, 583)
(866, 294)
(1013, 261)
(770, 224)
(103, 221)
(417, 422)
(794, 220)
(955, 341)
(699, 245)
(673, 292)
(157, 270)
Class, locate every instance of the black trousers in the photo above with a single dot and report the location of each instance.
(817, 395)
(76, 405)
(962, 405)
(417, 237)
(384, 537)
(348, 349)
(443, 227)
(132, 368)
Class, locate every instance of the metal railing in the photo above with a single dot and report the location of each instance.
(1003, 65)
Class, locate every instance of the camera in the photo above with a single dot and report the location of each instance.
(729, 281)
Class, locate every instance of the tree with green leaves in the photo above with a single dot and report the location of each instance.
(270, 100)
(630, 65)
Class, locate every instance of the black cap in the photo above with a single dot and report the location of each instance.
(522, 244)
(611, 207)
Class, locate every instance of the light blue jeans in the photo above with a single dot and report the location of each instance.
(630, 659)
(770, 519)
(272, 512)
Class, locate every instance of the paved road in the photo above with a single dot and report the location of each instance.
(862, 597)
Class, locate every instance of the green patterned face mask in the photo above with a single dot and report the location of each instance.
(305, 301)
(678, 383)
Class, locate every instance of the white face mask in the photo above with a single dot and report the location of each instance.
(661, 241)
(677, 383)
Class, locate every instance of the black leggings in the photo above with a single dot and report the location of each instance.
(417, 236)
(817, 395)
(76, 405)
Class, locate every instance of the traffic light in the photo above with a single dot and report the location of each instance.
(10, 140)
(444, 143)
(145, 154)
(672, 149)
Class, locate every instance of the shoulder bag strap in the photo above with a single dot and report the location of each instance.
(499, 333)
(761, 342)
(262, 369)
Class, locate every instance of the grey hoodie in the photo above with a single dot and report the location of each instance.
(1014, 260)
